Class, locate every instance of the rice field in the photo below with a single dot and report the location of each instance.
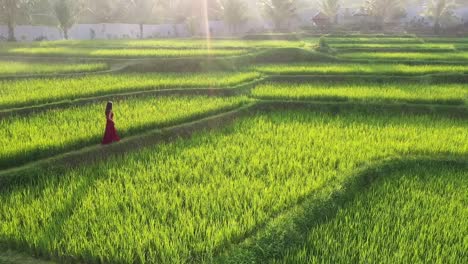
(183, 201)
(357, 69)
(24, 68)
(365, 91)
(417, 47)
(266, 179)
(168, 44)
(446, 40)
(425, 56)
(46, 90)
(25, 139)
(120, 53)
(374, 40)
(431, 202)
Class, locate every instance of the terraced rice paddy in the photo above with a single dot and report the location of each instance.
(122, 53)
(374, 40)
(24, 68)
(446, 40)
(25, 139)
(429, 199)
(358, 69)
(180, 202)
(417, 47)
(38, 91)
(169, 44)
(356, 156)
(424, 56)
(368, 92)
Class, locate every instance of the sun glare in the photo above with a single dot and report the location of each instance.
(206, 23)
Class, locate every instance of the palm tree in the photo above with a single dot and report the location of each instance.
(106, 10)
(11, 10)
(331, 8)
(437, 10)
(382, 10)
(180, 12)
(192, 13)
(233, 13)
(67, 13)
(143, 11)
(279, 11)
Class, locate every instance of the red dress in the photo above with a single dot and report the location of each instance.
(110, 135)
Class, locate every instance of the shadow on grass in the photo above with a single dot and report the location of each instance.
(15, 160)
(288, 232)
(287, 229)
(344, 98)
(52, 229)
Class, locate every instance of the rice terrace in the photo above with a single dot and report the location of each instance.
(287, 145)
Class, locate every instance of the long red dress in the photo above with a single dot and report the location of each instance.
(110, 135)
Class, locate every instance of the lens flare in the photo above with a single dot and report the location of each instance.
(206, 23)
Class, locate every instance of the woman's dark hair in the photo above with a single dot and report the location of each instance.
(109, 107)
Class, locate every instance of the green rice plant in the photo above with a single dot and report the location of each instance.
(445, 40)
(404, 47)
(462, 46)
(22, 68)
(46, 90)
(373, 40)
(176, 43)
(413, 215)
(362, 91)
(357, 69)
(120, 53)
(370, 35)
(398, 45)
(163, 44)
(407, 56)
(185, 201)
(27, 138)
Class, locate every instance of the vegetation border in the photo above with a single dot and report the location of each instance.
(96, 153)
(212, 92)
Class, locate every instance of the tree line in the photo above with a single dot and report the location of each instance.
(65, 13)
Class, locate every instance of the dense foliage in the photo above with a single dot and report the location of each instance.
(365, 91)
(36, 91)
(24, 139)
(395, 221)
(17, 68)
(183, 201)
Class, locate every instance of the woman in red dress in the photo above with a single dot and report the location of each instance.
(110, 135)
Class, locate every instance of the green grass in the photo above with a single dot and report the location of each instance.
(171, 43)
(46, 90)
(164, 44)
(417, 47)
(445, 40)
(357, 69)
(373, 40)
(415, 215)
(24, 139)
(185, 201)
(24, 68)
(365, 91)
(120, 53)
(439, 56)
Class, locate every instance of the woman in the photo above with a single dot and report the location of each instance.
(110, 135)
